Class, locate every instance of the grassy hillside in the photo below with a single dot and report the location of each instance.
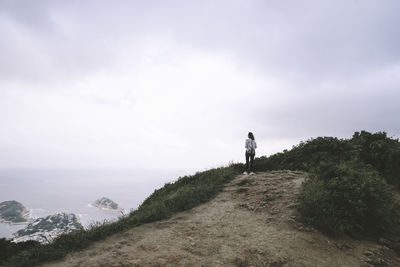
(185, 193)
(348, 191)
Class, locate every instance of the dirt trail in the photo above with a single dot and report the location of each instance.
(252, 222)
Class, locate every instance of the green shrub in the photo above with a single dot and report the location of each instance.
(7, 248)
(375, 149)
(346, 190)
(381, 152)
(346, 198)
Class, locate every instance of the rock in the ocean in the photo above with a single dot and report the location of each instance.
(107, 204)
(13, 212)
(44, 230)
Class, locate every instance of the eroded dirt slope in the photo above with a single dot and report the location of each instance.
(251, 223)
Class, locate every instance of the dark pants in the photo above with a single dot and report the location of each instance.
(251, 157)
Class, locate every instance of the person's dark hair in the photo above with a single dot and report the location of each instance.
(251, 136)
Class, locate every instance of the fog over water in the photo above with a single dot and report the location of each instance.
(46, 192)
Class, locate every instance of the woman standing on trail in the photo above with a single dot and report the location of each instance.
(250, 146)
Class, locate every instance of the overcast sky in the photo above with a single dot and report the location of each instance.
(179, 84)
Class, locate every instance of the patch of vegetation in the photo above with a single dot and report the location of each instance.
(381, 152)
(12, 211)
(60, 221)
(7, 248)
(350, 197)
(347, 190)
(185, 193)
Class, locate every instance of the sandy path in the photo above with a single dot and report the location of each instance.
(251, 223)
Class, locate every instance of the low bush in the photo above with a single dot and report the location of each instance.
(346, 190)
(347, 198)
(7, 248)
(381, 152)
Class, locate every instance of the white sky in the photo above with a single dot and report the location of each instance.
(179, 84)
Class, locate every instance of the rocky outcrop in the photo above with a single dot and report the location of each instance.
(13, 212)
(107, 204)
(44, 230)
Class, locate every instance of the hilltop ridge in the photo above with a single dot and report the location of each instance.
(349, 188)
(252, 222)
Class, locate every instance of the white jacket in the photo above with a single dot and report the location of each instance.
(250, 145)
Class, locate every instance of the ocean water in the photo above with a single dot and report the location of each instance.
(46, 192)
